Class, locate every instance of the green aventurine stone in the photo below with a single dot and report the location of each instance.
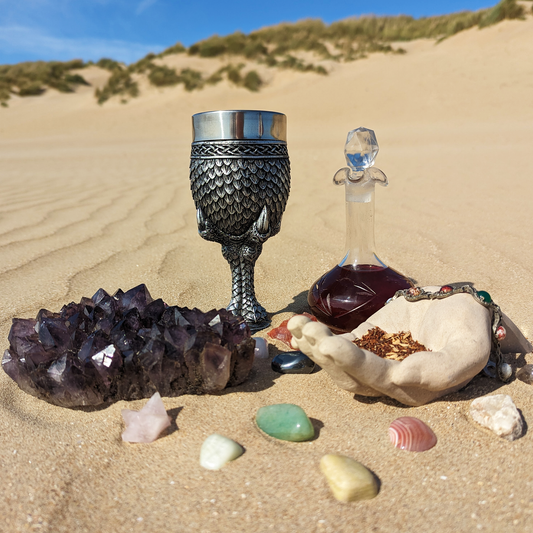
(285, 421)
(485, 296)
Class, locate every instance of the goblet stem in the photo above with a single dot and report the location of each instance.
(241, 259)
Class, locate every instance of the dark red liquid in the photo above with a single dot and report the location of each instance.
(346, 296)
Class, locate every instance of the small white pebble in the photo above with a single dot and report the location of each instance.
(444, 477)
(498, 413)
(217, 450)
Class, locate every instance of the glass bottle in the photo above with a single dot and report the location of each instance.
(361, 283)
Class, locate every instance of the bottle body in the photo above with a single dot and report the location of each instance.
(348, 295)
(361, 283)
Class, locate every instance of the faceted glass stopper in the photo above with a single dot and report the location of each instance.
(361, 148)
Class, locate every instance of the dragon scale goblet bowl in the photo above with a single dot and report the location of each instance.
(240, 182)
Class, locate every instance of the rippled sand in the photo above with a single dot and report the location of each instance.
(99, 197)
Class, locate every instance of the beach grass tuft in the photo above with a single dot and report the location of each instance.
(34, 78)
(119, 83)
(279, 46)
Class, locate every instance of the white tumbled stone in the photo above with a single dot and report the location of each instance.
(261, 348)
(217, 450)
(499, 414)
(146, 425)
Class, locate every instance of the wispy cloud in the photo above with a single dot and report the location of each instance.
(144, 5)
(34, 42)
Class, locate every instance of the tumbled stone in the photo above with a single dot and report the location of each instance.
(148, 423)
(126, 347)
(348, 480)
(218, 450)
(499, 414)
(285, 421)
(525, 374)
(485, 296)
(501, 333)
(282, 333)
(261, 348)
(292, 363)
(506, 371)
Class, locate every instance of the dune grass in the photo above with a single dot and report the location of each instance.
(119, 83)
(33, 78)
(347, 39)
(275, 46)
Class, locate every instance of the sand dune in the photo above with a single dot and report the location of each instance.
(98, 196)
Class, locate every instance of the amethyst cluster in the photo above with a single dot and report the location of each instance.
(125, 347)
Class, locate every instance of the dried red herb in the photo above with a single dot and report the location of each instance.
(395, 346)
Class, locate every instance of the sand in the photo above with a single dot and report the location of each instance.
(99, 197)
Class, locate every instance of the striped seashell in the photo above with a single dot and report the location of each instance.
(411, 434)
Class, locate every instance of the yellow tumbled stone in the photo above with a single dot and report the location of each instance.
(348, 480)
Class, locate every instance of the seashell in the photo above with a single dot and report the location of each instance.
(411, 434)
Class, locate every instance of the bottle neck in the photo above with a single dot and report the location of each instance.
(360, 226)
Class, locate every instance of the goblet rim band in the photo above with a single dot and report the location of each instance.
(239, 125)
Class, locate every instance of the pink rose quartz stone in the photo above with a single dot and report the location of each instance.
(148, 423)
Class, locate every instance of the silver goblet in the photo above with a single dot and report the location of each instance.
(240, 182)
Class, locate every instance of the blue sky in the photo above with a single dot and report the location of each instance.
(127, 30)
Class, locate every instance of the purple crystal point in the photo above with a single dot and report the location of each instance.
(126, 346)
(137, 298)
(215, 364)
